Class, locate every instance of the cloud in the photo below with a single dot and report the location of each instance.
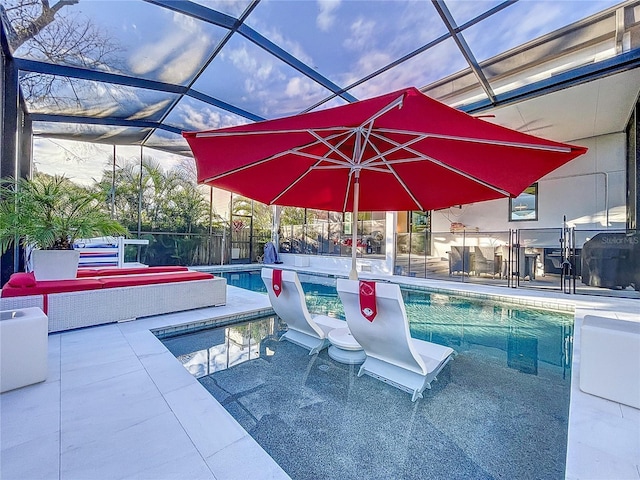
(291, 46)
(175, 54)
(232, 7)
(259, 67)
(362, 35)
(206, 118)
(416, 72)
(81, 162)
(326, 17)
(301, 87)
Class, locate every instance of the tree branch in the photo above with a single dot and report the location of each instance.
(39, 23)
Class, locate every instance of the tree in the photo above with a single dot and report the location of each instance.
(38, 30)
(51, 213)
(170, 200)
(262, 218)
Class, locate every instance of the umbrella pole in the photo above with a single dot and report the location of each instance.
(353, 274)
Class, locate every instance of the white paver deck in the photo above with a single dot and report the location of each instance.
(117, 404)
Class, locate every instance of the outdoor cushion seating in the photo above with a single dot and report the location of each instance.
(484, 261)
(47, 286)
(102, 272)
(392, 355)
(105, 299)
(304, 329)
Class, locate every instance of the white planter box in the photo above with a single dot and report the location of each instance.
(610, 359)
(23, 348)
(55, 264)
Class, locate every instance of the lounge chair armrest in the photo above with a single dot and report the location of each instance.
(431, 350)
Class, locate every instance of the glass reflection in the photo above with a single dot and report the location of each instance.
(344, 41)
(148, 42)
(60, 95)
(91, 133)
(464, 10)
(192, 114)
(247, 76)
(235, 8)
(168, 141)
(203, 353)
(431, 65)
(524, 21)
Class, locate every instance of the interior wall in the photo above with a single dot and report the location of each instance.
(584, 190)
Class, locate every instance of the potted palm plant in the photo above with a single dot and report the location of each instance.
(47, 214)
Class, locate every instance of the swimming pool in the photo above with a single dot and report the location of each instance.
(499, 410)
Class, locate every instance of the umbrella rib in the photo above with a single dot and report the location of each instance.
(395, 103)
(271, 132)
(550, 148)
(346, 195)
(331, 147)
(449, 167)
(395, 174)
(277, 197)
(398, 146)
(296, 151)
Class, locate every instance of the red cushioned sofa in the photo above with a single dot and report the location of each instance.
(113, 295)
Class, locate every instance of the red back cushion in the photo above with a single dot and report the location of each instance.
(107, 272)
(135, 280)
(51, 286)
(22, 280)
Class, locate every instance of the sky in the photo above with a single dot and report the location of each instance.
(342, 40)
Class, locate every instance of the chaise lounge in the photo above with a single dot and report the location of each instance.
(305, 330)
(392, 355)
(113, 295)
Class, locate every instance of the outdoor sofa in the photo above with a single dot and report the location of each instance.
(113, 295)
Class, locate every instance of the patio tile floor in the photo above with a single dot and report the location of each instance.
(116, 404)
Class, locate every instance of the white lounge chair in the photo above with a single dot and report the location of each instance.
(304, 330)
(392, 355)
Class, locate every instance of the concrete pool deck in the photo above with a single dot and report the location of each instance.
(117, 404)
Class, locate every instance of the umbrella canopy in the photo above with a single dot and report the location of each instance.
(400, 151)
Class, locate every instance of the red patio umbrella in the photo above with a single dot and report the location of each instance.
(400, 151)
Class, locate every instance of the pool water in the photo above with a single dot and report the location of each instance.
(498, 410)
(529, 335)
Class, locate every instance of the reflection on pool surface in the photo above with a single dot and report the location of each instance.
(498, 410)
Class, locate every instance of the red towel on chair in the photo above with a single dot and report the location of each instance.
(276, 282)
(368, 300)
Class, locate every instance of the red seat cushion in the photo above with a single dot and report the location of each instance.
(135, 280)
(51, 286)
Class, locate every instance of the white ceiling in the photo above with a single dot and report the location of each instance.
(595, 108)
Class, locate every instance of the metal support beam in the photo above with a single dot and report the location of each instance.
(112, 121)
(214, 17)
(224, 105)
(417, 51)
(293, 62)
(9, 125)
(25, 157)
(451, 25)
(117, 79)
(195, 10)
(212, 55)
(611, 66)
(96, 76)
